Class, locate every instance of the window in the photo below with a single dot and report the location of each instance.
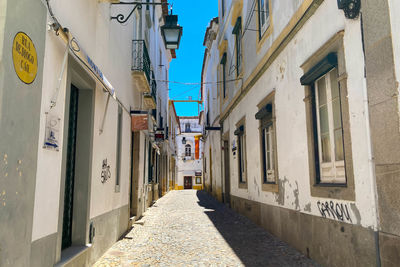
(329, 128)
(241, 153)
(188, 150)
(328, 122)
(223, 7)
(263, 16)
(268, 143)
(119, 146)
(187, 128)
(223, 75)
(237, 30)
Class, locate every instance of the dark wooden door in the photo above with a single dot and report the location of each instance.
(70, 170)
(227, 173)
(188, 182)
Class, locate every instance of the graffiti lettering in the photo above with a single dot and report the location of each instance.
(334, 211)
(105, 172)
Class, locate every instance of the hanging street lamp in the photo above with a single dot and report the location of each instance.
(171, 32)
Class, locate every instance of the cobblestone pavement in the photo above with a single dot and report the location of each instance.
(190, 228)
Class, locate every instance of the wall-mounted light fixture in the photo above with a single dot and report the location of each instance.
(351, 8)
(184, 140)
(171, 32)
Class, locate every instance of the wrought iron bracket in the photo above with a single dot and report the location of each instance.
(136, 5)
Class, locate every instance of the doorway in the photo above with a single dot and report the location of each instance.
(77, 163)
(134, 189)
(211, 174)
(188, 182)
(227, 173)
(70, 171)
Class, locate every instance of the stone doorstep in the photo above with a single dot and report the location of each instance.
(140, 222)
(131, 221)
(69, 255)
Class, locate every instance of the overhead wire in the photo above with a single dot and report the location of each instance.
(185, 83)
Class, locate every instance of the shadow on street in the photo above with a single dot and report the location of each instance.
(251, 243)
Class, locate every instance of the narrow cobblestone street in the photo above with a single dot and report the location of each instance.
(190, 228)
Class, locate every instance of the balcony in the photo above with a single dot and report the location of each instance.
(186, 157)
(141, 66)
(150, 98)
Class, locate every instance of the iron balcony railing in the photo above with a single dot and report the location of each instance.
(187, 156)
(140, 58)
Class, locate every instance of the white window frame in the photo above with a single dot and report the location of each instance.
(269, 153)
(264, 6)
(332, 171)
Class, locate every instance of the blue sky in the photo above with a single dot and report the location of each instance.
(194, 17)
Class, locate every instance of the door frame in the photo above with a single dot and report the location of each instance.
(86, 108)
(190, 178)
(226, 168)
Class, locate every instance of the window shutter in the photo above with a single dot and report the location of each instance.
(239, 130)
(263, 112)
(322, 67)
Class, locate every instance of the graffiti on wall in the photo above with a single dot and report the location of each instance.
(105, 172)
(336, 211)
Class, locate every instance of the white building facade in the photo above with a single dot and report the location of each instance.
(294, 150)
(189, 162)
(80, 78)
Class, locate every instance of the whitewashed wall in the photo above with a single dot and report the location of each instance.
(283, 76)
(109, 44)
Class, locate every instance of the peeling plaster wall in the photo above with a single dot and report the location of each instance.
(283, 76)
(251, 57)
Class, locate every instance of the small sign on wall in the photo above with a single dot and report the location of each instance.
(25, 58)
(198, 180)
(52, 132)
(140, 123)
(234, 147)
(159, 136)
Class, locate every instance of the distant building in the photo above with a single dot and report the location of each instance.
(189, 163)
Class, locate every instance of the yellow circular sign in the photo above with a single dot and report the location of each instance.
(25, 58)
